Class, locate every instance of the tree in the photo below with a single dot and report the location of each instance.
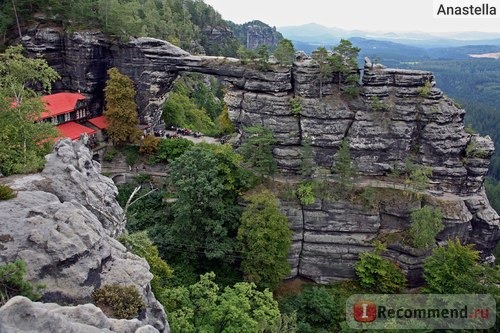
(426, 223)
(344, 61)
(379, 274)
(265, 241)
(208, 180)
(343, 168)
(257, 150)
(263, 57)
(203, 307)
(121, 109)
(453, 269)
(325, 69)
(307, 165)
(13, 282)
(285, 52)
(23, 141)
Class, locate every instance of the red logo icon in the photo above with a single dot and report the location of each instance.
(364, 311)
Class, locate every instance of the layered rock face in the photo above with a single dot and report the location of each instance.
(62, 224)
(398, 115)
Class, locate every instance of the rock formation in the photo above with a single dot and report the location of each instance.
(256, 33)
(62, 224)
(399, 115)
(20, 314)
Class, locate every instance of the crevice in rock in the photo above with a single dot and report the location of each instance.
(303, 230)
(94, 275)
(54, 270)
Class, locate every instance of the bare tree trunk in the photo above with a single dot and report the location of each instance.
(17, 19)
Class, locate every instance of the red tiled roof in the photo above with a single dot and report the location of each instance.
(60, 103)
(73, 130)
(100, 122)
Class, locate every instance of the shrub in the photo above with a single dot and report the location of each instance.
(426, 224)
(149, 145)
(122, 302)
(379, 274)
(474, 151)
(170, 149)
(453, 269)
(6, 192)
(140, 244)
(305, 193)
(13, 283)
(110, 154)
(425, 90)
(295, 106)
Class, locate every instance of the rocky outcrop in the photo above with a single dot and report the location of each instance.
(62, 224)
(399, 115)
(256, 33)
(20, 314)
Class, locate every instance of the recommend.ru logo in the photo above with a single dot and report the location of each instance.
(431, 311)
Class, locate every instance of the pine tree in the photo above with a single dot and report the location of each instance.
(343, 168)
(121, 108)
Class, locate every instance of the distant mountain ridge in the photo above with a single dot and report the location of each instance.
(317, 33)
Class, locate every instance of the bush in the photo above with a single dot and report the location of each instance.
(305, 193)
(425, 90)
(426, 224)
(149, 145)
(122, 302)
(170, 149)
(139, 243)
(110, 154)
(379, 274)
(317, 310)
(6, 192)
(453, 269)
(13, 283)
(295, 106)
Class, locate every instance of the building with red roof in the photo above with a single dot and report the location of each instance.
(100, 122)
(63, 107)
(73, 130)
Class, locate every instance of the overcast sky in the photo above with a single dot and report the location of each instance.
(371, 15)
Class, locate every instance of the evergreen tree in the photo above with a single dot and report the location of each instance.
(285, 52)
(265, 240)
(307, 164)
(257, 150)
(343, 169)
(325, 69)
(121, 109)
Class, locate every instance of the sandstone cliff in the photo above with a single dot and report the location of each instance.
(399, 114)
(62, 224)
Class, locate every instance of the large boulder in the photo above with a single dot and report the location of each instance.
(62, 224)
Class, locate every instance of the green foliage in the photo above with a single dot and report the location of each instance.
(207, 180)
(263, 57)
(170, 149)
(13, 282)
(343, 169)
(376, 104)
(425, 90)
(204, 307)
(316, 309)
(426, 223)
(225, 124)
(379, 274)
(246, 55)
(6, 192)
(192, 105)
(472, 150)
(285, 52)
(149, 145)
(121, 109)
(23, 142)
(257, 150)
(295, 106)
(418, 175)
(368, 199)
(179, 21)
(265, 241)
(452, 269)
(110, 154)
(139, 243)
(122, 302)
(493, 192)
(307, 164)
(305, 193)
(325, 69)
(344, 62)
(147, 212)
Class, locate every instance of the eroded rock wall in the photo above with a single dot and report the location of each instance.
(63, 223)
